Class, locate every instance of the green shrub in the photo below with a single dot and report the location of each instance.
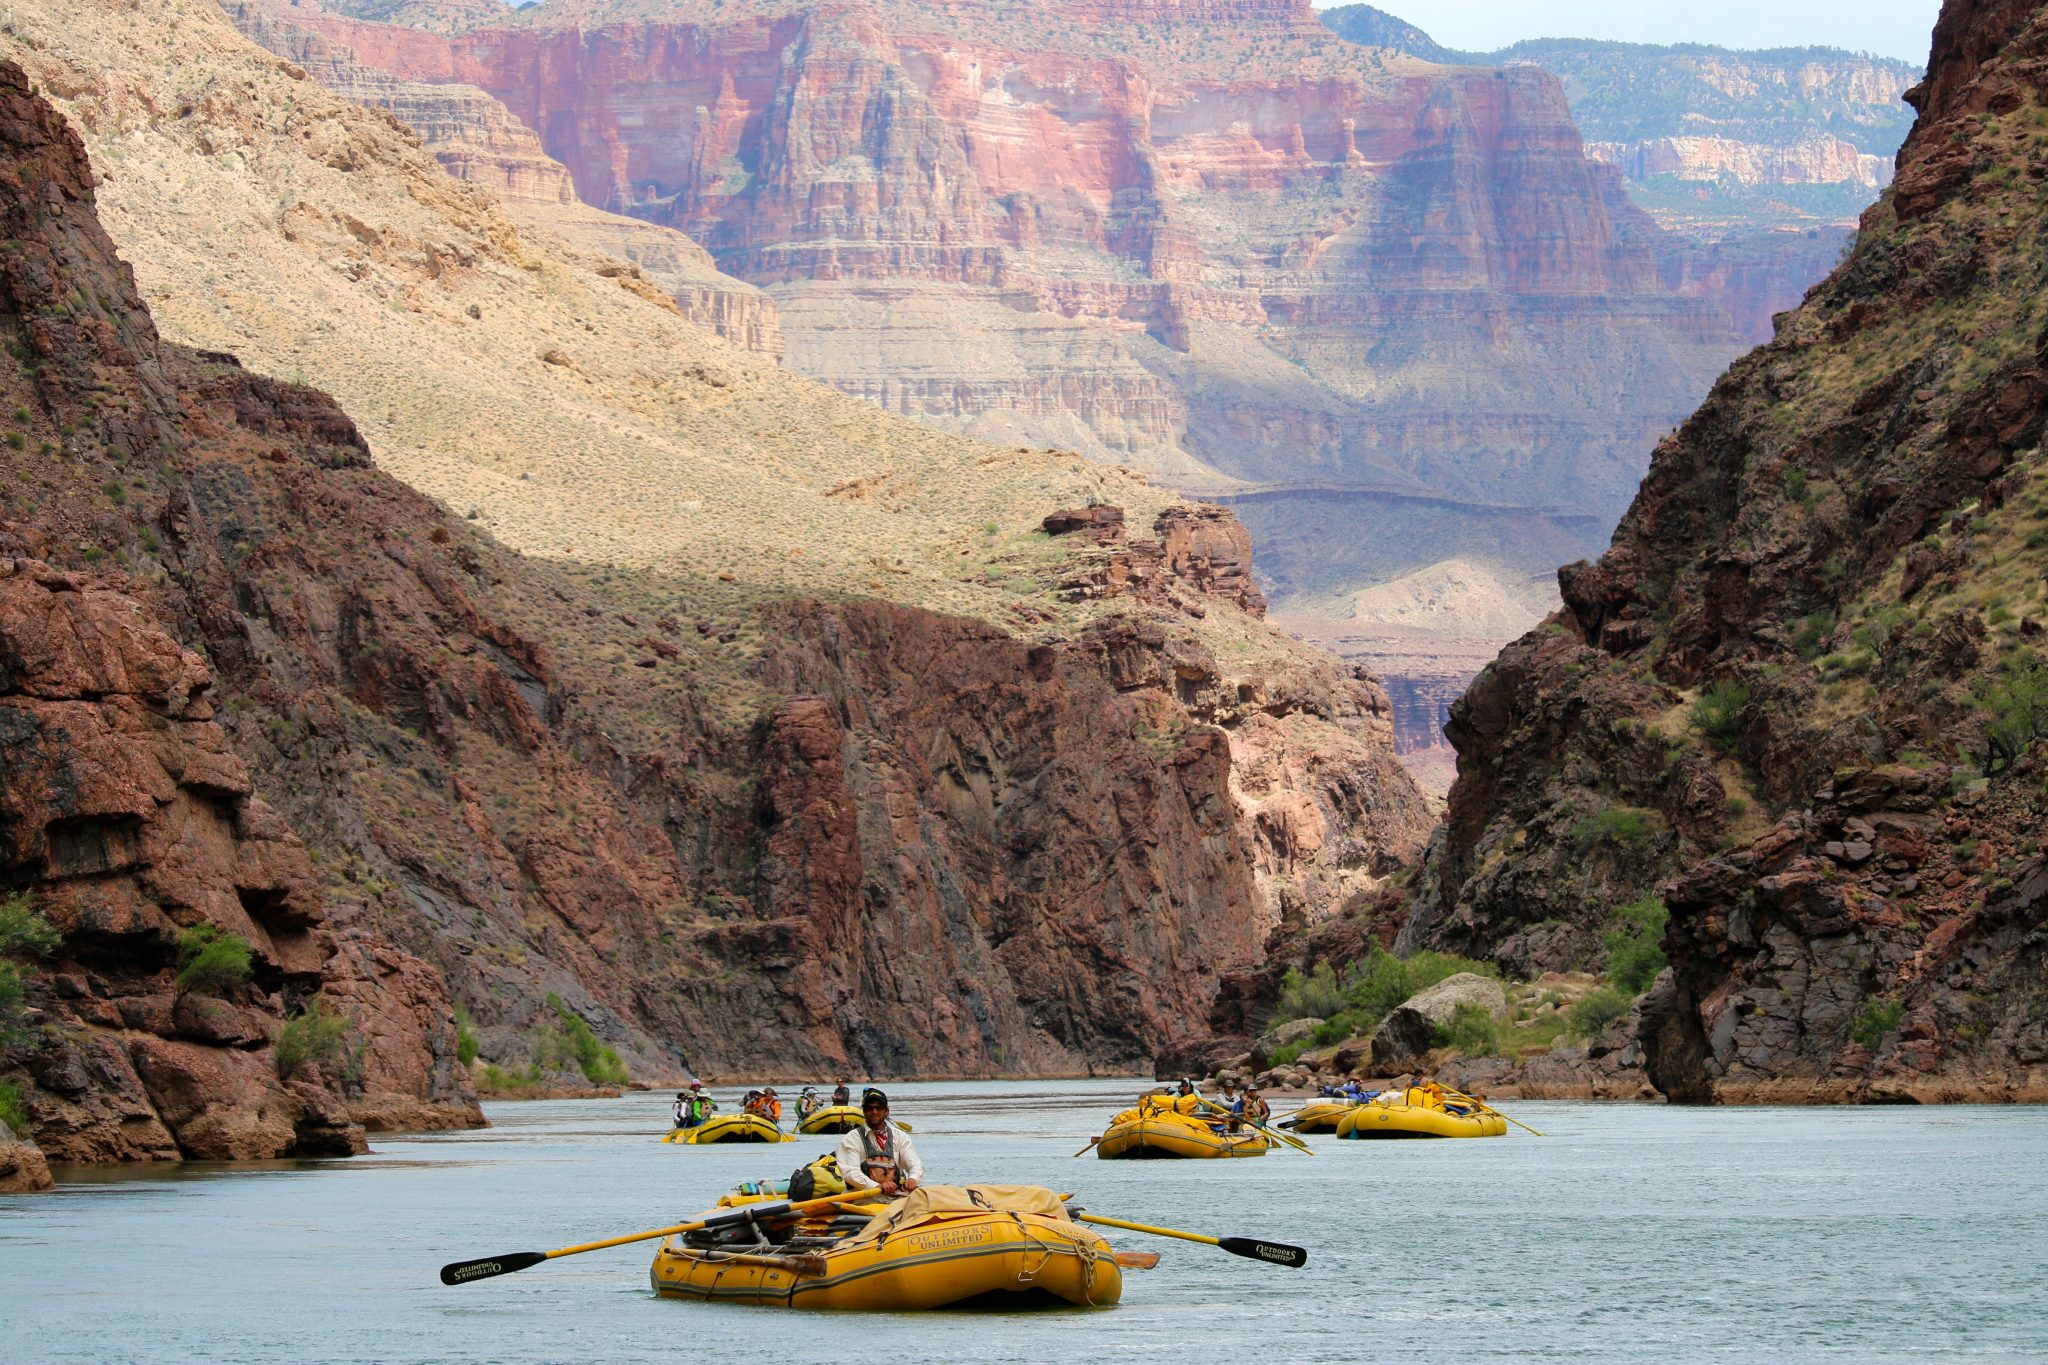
(314, 1034)
(2015, 705)
(1285, 1056)
(211, 960)
(13, 1112)
(1811, 635)
(1719, 711)
(1627, 826)
(115, 493)
(1875, 1018)
(571, 1043)
(1383, 982)
(1318, 995)
(1635, 946)
(1592, 1013)
(23, 933)
(1471, 1030)
(467, 1045)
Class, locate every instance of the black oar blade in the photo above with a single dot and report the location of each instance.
(1278, 1253)
(462, 1272)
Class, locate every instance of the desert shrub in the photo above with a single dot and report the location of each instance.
(23, 933)
(1592, 1013)
(1627, 826)
(1316, 995)
(1382, 982)
(570, 1043)
(13, 1112)
(1795, 484)
(211, 960)
(314, 1034)
(1719, 711)
(1470, 1030)
(2015, 706)
(1286, 1055)
(467, 1045)
(1635, 946)
(1875, 1018)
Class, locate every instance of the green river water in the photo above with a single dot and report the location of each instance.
(1631, 1232)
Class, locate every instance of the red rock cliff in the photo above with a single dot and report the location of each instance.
(1801, 696)
(1209, 239)
(717, 824)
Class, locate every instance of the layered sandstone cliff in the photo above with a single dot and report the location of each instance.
(799, 743)
(1757, 162)
(1802, 695)
(1207, 240)
(124, 808)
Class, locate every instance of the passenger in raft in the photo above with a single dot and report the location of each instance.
(879, 1155)
(808, 1103)
(1251, 1108)
(840, 1094)
(694, 1106)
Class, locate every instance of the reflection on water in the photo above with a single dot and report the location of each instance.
(1631, 1233)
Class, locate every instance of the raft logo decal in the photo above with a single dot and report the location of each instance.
(946, 1240)
(481, 1268)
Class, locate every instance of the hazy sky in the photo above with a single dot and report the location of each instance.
(1893, 28)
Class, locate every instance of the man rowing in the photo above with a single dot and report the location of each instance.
(879, 1155)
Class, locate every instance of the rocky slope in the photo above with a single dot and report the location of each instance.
(1206, 240)
(1757, 161)
(1803, 693)
(1014, 806)
(124, 808)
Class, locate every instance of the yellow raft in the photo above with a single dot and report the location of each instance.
(1377, 1120)
(1319, 1116)
(1150, 1131)
(838, 1118)
(730, 1128)
(1009, 1246)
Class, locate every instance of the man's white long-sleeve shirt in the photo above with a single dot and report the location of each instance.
(852, 1152)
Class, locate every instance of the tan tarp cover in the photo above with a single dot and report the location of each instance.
(929, 1202)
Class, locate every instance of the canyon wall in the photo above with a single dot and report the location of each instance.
(1756, 162)
(1208, 241)
(865, 767)
(1801, 697)
(124, 809)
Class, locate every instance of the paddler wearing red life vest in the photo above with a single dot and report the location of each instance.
(879, 1155)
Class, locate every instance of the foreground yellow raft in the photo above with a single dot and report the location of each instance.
(1376, 1120)
(1319, 1116)
(1011, 1246)
(730, 1128)
(1154, 1132)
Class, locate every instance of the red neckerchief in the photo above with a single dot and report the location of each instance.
(881, 1134)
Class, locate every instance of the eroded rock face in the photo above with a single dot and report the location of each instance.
(1235, 253)
(1855, 913)
(748, 832)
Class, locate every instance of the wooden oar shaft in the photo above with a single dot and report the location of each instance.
(1147, 1227)
(1461, 1095)
(463, 1272)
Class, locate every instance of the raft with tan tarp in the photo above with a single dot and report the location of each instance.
(1160, 1129)
(731, 1128)
(1378, 1119)
(1318, 1116)
(941, 1246)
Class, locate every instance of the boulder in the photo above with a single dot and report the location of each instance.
(22, 1168)
(1282, 1035)
(1406, 1035)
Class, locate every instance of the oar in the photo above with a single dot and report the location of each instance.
(1287, 1138)
(1461, 1095)
(1252, 1249)
(463, 1272)
(1091, 1143)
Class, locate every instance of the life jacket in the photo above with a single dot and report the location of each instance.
(818, 1179)
(771, 1108)
(877, 1149)
(1257, 1111)
(700, 1110)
